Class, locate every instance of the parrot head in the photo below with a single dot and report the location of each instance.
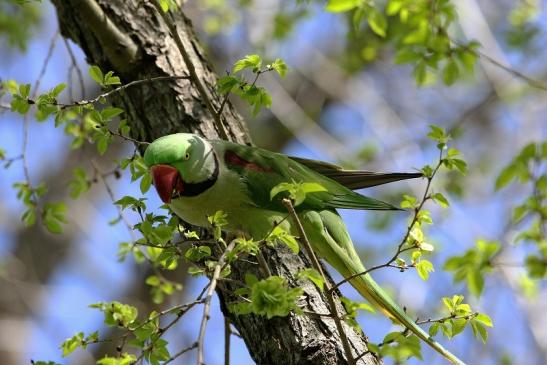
(181, 164)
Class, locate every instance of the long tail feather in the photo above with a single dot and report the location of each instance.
(369, 289)
(364, 179)
(355, 179)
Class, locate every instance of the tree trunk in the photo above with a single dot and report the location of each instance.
(131, 39)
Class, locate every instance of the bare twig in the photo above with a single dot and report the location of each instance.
(529, 80)
(467, 114)
(26, 119)
(135, 141)
(8, 161)
(263, 264)
(181, 352)
(110, 193)
(317, 266)
(194, 78)
(121, 88)
(207, 301)
(74, 66)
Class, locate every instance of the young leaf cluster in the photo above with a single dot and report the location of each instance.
(296, 191)
(270, 297)
(254, 95)
(461, 315)
(473, 265)
(528, 168)
(420, 32)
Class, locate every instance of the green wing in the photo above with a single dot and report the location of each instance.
(354, 179)
(262, 170)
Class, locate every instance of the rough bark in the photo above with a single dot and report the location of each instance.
(130, 38)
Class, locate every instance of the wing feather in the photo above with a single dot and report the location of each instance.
(262, 170)
(354, 179)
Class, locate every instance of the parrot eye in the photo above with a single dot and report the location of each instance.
(187, 156)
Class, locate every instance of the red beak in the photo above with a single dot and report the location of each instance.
(167, 180)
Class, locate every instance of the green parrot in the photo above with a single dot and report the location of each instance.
(198, 177)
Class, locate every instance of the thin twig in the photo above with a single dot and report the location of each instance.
(180, 311)
(26, 119)
(194, 78)
(8, 161)
(181, 352)
(444, 319)
(110, 193)
(74, 65)
(263, 264)
(121, 88)
(135, 141)
(317, 266)
(467, 114)
(529, 80)
(207, 301)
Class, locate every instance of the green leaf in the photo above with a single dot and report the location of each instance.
(53, 214)
(420, 73)
(451, 72)
(434, 329)
(438, 134)
(377, 22)
(131, 202)
(296, 191)
(244, 245)
(167, 5)
(424, 267)
(394, 6)
(125, 359)
(250, 61)
(280, 67)
(279, 188)
(146, 182)
(96, 74)
(406, 55)
(29, 217)
(270, 297)
(280, 234)
(475, 282)
(313, 275)
(110, 112)
(479, 330)
(110, 79)
(484, 319)
(506, 176)
(352, 306)
(226, 84)
(338, 6)
(116, 313)
(218, 220)
(79, 184)
(458, 325)
(409, 202)
(197, 253)
(153, 280)
(441, 199)
(70, 344)
(24, 90)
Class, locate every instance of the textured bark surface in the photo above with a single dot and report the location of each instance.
(129, 38)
